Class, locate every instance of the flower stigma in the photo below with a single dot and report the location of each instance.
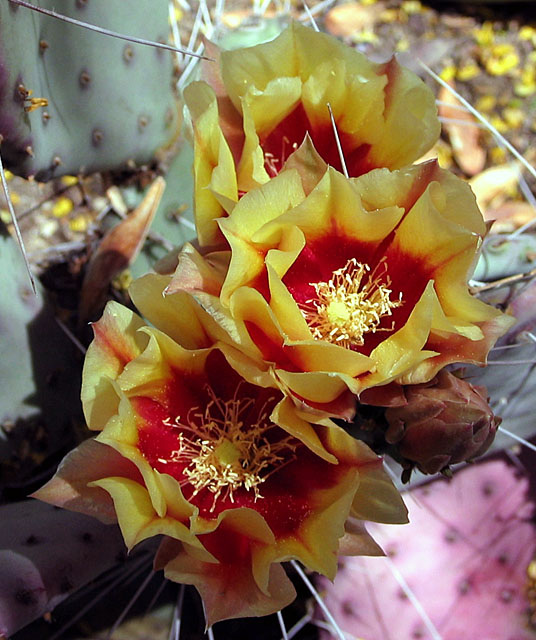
(351, 304)
(226, 452)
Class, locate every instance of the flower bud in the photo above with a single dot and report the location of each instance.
(445, 421)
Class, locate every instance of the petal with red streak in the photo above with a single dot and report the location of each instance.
(117, 341)
(228, 588)
(90, 461)
(214, 172)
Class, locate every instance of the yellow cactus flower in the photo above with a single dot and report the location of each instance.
(468, 72)
(256, 108)
(360, 283)
(448, 73)
(485, 35)
(503, 58)
(203, 448)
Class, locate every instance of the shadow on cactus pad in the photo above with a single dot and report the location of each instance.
(40, 373)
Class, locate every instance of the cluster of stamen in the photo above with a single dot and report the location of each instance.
(223, 453)
(351, 304)
(273, 164)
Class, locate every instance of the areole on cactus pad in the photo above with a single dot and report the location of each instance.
(108, 102)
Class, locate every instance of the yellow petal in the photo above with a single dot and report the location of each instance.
(69, 488)
(309, 164)
(310, 70)
(214, 171)
(176, 315)
(135, 514)
(229, 590)
(117, 341)
(356, 541)
(287, 417)
(403, 349)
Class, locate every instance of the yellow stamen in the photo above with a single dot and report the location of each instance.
(31, 103)
(226, 454)
(351, 304)
(35, 103)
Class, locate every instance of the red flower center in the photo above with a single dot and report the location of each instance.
(289, 134)
(213, 434)
(346, 292)
(352, 303)
(222, 452)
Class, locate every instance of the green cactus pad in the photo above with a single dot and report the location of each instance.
(110, 102)
(39, 394)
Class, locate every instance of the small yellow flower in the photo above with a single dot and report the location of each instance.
(80, 223)
(527, 33)
(389, 15)
(69, 181)
(498, 155)
(412, 6)
(62, 207)
(448, 72)
(503, 58)
(486, 103)
(485, 35)
(468, 72)
(527, 82)
(15, 197)
(499, 124)
(366, 35)
(514, 117)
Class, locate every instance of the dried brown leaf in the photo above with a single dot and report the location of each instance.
(346, 19)
(493, 186)
(117, 250)
(510, 215)
(464, 134)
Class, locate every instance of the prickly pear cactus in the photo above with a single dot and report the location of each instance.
(174, 218)
(510, 378)
(506, 256)
(109, 101)
(39, 397)
(464, 556)
(46, 554)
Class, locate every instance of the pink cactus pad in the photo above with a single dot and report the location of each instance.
(464, 555)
